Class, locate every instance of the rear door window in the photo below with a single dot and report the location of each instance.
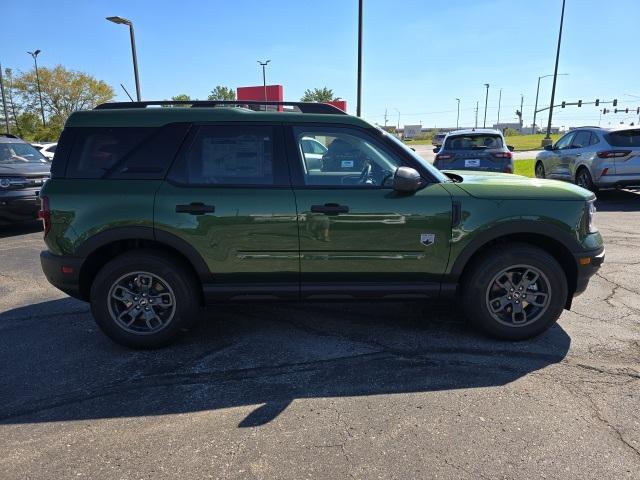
(231, 155)
(582, 139)
(473, 142)
(624, 138)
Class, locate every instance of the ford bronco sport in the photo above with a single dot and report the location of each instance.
(152, 212)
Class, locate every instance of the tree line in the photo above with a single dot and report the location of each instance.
(62, 91)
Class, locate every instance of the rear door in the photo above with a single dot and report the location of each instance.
(627, 142)
(358, 237)
(228, 195)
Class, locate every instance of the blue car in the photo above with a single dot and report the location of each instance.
(481, 149)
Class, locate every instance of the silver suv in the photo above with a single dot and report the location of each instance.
(593, 158)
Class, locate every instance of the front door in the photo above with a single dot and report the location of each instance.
(228, 195)
(560, 157)
(359, 237)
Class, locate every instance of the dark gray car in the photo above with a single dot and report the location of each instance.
(593, 158)
(23, 171)
(477, 149)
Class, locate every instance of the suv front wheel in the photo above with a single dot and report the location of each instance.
(144, 298)
(514, 291)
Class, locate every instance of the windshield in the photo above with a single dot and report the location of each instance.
(20, 153)
(473, 142)
(437, 174)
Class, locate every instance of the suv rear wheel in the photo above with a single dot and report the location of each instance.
(584, 180)
(514, 292)
(144, 298)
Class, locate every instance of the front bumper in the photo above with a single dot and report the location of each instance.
(66, 279)
(19, 206)
(588, 264)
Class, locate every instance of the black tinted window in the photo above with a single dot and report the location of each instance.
(581, 139)
(98, 151)
(473, 142)
(228, 155)
(624, 138)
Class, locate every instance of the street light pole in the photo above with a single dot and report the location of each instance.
(398, 127)
(264, 78)
(129, 23)
(359, 97)
(486, 100)
(499, 102)
(555, 76)
(458, 116)
(35, 61)
(535, 109)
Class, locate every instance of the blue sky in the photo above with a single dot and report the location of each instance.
(418, 55)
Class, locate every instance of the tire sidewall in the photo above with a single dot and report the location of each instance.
(495, 261)
(167, 268)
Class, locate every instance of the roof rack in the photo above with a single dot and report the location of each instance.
(304, 107)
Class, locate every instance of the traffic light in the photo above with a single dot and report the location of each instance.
(605, 111)
(638, 110)
(579, 103)
(615, 110)
(564, 104)
(626, 110)
(597, 102)
(615, 102)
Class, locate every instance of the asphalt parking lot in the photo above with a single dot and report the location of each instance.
(393, 390)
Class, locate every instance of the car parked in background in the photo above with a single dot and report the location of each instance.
(593, 158)
(437, 139)
(477, 149)
(48, 149)
(23, 171)
(313, 151)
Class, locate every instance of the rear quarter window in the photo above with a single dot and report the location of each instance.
(124, 152)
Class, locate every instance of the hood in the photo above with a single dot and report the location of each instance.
(29, 169)
(505, 186)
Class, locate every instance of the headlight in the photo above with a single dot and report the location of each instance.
(590, 211)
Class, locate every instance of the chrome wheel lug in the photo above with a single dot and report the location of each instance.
(509, 297)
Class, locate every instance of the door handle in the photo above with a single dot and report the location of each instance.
(578, 154)
(329, 209)
(195, 208)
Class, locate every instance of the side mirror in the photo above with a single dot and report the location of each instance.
(406, 179)
(548, 147)
(436, 150)
(511, 148)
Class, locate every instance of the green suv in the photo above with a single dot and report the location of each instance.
(154, 210)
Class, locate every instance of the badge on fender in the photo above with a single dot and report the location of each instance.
(427, 239)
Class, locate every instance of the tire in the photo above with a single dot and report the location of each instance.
(540, 173)
(489, 302)
(152, 292)
(584, 180)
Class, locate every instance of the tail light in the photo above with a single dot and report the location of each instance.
(44, 214)
(502, 155)
(508, 169)
(613, 153)
(445, 156)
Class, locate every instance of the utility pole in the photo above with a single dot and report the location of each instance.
(477, 114)
(486, 100)
(521, 104)
(398, 128)
(4, 104)
(385, 117)
(458, 116)
(499, 102)
(35, 61)
(359, 102)
(264, 78)
(547, 138)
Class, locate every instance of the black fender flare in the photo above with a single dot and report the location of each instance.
(172, 241)
(551, 231)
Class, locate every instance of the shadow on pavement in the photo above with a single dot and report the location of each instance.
(627, 200)
(20, 229)
(56, 366)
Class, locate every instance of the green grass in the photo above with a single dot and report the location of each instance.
(520, 142)
(528, 142)
(524, 167)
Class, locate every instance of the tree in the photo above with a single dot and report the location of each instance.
(222, 93)
(63, 92)
(323, 94)
(183, 97)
